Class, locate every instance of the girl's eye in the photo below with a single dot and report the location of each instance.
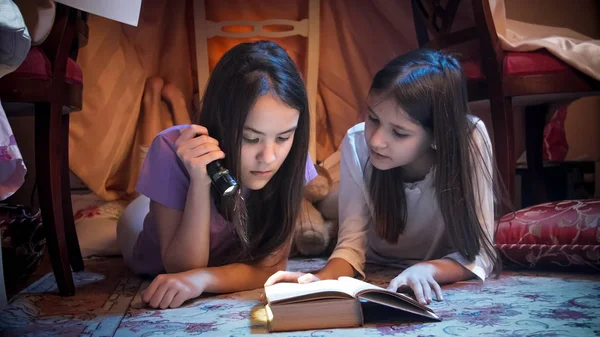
(400, 135)
(282, 139)
(251, 140)
(373, 119)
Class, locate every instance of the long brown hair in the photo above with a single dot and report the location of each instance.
(431, 88)
(265, 220)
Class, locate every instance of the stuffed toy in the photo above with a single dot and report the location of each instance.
(315, 235)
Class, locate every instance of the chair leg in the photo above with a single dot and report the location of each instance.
(535, 120)
(597, 179)
(502, 118)
(3, 296)
(70, 231)
(48, 159)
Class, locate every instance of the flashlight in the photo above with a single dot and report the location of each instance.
(224, 182)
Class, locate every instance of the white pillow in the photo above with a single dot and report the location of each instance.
(14, 38)
(39, 17)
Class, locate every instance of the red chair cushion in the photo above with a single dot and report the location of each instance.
(37, 66)
(519, 64)
(530, 63)
(562, 234)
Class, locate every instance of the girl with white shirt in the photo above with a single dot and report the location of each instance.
(416, 187)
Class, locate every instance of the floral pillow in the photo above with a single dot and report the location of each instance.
(559, 234)
(96, 224)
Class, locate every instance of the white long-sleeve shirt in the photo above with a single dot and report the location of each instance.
(424, 237)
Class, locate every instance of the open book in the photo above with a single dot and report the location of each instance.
(331, 304)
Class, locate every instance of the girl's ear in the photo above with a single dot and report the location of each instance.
(432, 139)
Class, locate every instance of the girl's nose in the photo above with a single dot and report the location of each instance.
(377, 140)
(267, 155)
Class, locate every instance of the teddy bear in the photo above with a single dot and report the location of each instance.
(316, 230)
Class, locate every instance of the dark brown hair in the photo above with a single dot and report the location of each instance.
(430, 87)
(265, 220)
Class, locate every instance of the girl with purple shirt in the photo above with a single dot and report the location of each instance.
(254, 119)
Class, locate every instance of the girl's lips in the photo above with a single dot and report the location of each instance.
(377, 155)
(261, 173)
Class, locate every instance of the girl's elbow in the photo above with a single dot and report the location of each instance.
(178, 264)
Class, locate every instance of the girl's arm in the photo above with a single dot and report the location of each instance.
(443, 271)
(448, 271)
(171, 290)
(240, 276)
(335, 268)
(185, 236)
(348, 258)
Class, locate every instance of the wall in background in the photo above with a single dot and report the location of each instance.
(583, 121)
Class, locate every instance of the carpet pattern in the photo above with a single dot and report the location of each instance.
(107, 303)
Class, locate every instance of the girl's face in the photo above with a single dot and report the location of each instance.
(268, 137)
(394, 139)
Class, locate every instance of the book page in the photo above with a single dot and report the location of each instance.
(280, 292)
(354, 286)
(358, 288)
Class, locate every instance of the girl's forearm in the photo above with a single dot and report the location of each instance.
(446, 271)
(190, 245)
(234, 277)
(335, 268)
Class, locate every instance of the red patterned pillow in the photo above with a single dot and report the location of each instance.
(563, 234)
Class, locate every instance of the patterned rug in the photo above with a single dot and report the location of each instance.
(107, 304)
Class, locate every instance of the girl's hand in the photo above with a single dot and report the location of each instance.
(197, 151)
(420, 279)
(290, 276)
(171, 290)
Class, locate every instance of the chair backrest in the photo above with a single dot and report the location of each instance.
(433, 19)
(309, 28)
(430, 17)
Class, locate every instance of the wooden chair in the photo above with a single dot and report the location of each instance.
(51, 80)
(533, 79)
(309, 28)
(3, 298)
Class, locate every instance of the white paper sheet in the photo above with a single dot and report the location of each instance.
(126, 11)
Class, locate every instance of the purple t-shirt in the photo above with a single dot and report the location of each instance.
(164, 179)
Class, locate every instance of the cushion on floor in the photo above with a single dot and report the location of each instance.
(559, 234)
